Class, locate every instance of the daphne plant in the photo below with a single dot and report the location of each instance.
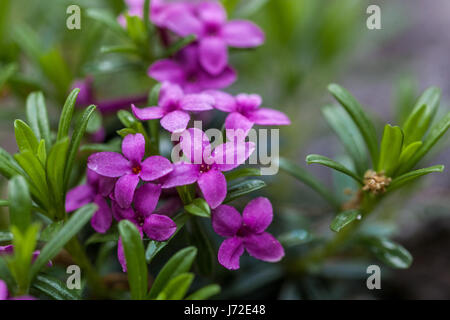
(377, 168)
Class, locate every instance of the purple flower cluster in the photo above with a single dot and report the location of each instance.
(128, 186)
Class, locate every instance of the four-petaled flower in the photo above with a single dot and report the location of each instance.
(157, 227)
(129, 167)
(173, 107)
(205, 165)
(208, 21)
(95, 190)
(245, 111)
(185, 70)
(246, 232)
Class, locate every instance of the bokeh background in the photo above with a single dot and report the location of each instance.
(310, 43)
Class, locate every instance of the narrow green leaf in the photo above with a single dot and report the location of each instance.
(38, 118)
(418, 122)
(343, 219)
(77, 135)
(103, 237)
(19, 203)
(67, 232)
(131, 49)
(401, 180)
(55, 169)
(53, 288)
(308, 179)
(154, 247)
(390, 150)
(206, 255)
(25, 138)
(177, 287)
(42, 152)
(409, 151)
(204, 293)
(242, 172)
(106, 19)
(153, 97)
(240, 189)
(67, 114)
(389, 252)
(52, 229)
(315, 158)
(178, 264)
(135, 259)
(198, 207)
(356, 112)
(436, 132)
(8, 166)
(349, 135)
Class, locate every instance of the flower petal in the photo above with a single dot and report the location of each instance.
(148, 113)
(158, 227)
(169, 95)
(197, 102)
(258, 215)
(213, 54)
(195, 145)
(166, 70)
(106, 185)
(146, 198)
(222, 101)
(269, 117)
(121, 214)
(226, 220)
(238, 123)
(220, 81)
(182, 22)
(3, 290)
(102, 218)
(109, 164)
(183, 174)
(133, 147)
(230, 155)
(242, 34)
(124, 190)
(248, 102)
(230, 252)
(214, 187)
(175, 121)
(154, 168)
(78, 197)
(212, 12)
(264, 247)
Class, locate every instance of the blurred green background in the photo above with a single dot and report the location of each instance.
(309, 43)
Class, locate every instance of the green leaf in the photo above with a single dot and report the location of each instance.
(53, 288)
(131, 49)
(436, 132)
(25, 138)
(154, 247)
(127, 119)
(198, 207)
(242, 172)
(177, 287)
(178, 264)
(315, 158)
(8, 166)
(77, 135)
(42, 152)
(100, 147)
(343, 219)
(38, 118)
(401, 180)
(136, 29)
(95, 123)
(180, 44)
(418, 122)
(409, 151)
(153, 97)
(19, 203)
(204, 293)
(6, 72)
(240, 189)
(67, 114)
(106, 19)
(52, 229)
(390, 150)
(135, 259)
(55, 170)
(389, 252)
(356, 112)
(125, 131)
(103, 237)
(67, 232)
(349, 135)
(206, 255)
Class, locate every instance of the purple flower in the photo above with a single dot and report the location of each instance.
(86, 94)
(157, 227)
(206, 165)
(95, 190)
(185, 70)
(9, 249)
(4, 294)
(129, 167)
(173, 107)
(245, 112)
(246, 232)
(214, 34)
